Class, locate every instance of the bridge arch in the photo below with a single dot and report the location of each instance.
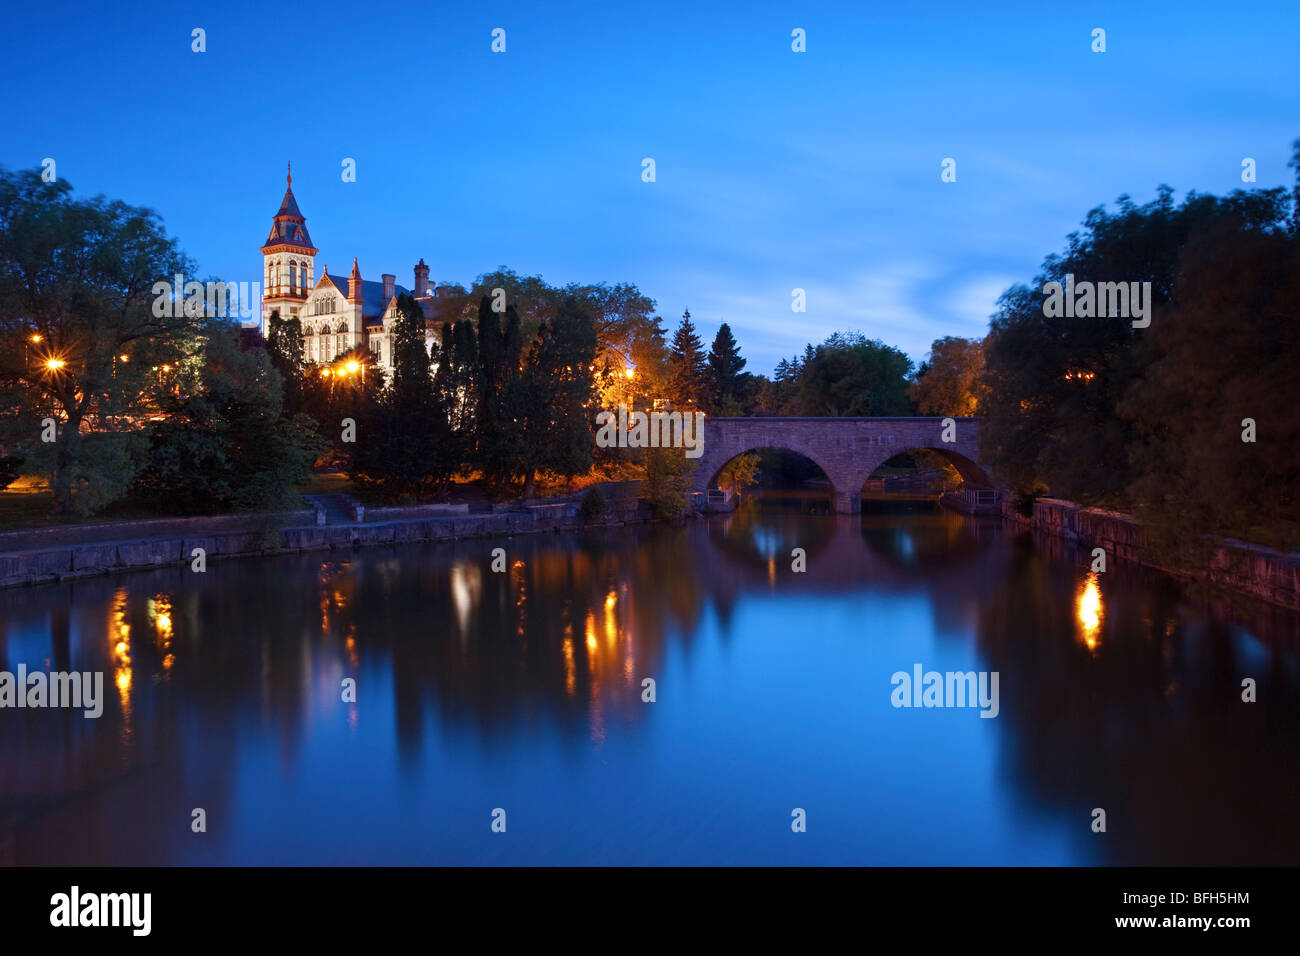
(847, 450)
(971, 471)
(712, 470)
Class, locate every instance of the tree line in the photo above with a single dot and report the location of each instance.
(1192, 421)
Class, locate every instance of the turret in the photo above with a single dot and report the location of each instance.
(354, 284)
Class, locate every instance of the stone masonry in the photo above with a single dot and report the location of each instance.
(847, 449)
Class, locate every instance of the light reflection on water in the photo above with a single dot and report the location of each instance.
(524, 690)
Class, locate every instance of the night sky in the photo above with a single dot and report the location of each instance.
(775, 169)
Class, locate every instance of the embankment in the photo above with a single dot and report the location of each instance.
(58, 554)
(1235, 565)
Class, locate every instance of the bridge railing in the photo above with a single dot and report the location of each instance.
(979, 497)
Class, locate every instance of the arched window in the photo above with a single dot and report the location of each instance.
(293, 274)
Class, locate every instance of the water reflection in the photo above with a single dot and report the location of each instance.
(523, 689)
(1090, 611)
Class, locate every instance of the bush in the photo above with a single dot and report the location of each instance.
(594, 505)
(667, 481)
(9, 465)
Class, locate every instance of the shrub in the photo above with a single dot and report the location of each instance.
(594, 505)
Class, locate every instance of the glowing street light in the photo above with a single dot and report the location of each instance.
(353, 367)
(54, 364)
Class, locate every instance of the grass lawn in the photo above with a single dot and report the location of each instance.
(27, 503)
(330, 483)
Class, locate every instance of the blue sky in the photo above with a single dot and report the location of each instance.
(775, 170)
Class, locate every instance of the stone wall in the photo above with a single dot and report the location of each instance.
(104, 531)
(73, 560)
(1246, 568)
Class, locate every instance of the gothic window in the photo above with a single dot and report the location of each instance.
(293, 274)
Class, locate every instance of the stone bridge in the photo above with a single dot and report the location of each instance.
(848, 450)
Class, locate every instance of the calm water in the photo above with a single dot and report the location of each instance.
(522, 691)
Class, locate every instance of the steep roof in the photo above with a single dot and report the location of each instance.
(288, 226)
(372, 294)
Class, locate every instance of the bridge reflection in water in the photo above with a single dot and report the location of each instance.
(524, 690)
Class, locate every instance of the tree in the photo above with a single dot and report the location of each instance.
(284, 344)
(1219, 367)
(77, 280)
(724, 367)
(1052, 416)
(556, 433)
(501, 398)
(456, 384)
(688, 380)
(850, 375)
(668, 476)
(739, 473)
(948, 382)
(224, 445)
(403, 446)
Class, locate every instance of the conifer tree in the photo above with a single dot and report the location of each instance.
(687, 383)
(725, 367)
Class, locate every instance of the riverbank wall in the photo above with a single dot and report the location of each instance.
(1249, 569)
(60, 554)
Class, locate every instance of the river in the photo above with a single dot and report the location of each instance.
(515, 702)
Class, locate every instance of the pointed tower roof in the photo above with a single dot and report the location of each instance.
(289, 226)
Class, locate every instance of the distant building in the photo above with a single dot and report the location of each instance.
(336, 313)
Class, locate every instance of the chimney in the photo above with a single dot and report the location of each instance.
(354, 283)
(390, 284)
(421, 278)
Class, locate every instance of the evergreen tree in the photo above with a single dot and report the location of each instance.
(500, 402)
(725, 366)
(456, 384)
(557, 416)
(403, 446)
(687, 382)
